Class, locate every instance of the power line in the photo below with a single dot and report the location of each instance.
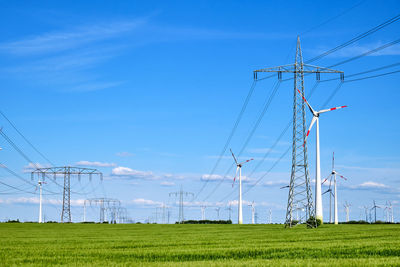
(238, 119)
(333, 18)
(250, 136)
(374, 76)
(277, 140)
(357, 38)
(366, 53)
(26, 140)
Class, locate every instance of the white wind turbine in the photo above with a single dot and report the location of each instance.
(318, 194)
(334, 193)
(347, 210)
(40, 183)
(239, 169)
(253, 211)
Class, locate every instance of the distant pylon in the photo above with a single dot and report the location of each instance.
(181, 195)
(300, 194)
(66, 171)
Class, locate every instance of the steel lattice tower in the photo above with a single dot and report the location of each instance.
(66, 208)
(181, 195)
(300, 194)
(66, 171)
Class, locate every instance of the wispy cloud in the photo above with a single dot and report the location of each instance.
(35, 200)
(66, 40)
(135, 174)
(218, 178)
(124, 154)
(167, 184)
(33, 166)
(355, 50)
(261, 150)
(65, 59)
(95, 164)
(145, 202)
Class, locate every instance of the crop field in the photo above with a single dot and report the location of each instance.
(197, 245)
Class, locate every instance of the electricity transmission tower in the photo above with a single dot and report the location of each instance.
(105, 204)
(181, 194)
(300, 194)
(66, 171)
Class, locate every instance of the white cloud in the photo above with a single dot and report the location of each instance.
(66, 40)
(371, 185)
(276, 183)
(95, 164)
(167, 183)
(131, 173)
(212, 177)
(33, 166)
(146, 202)
(35, 200)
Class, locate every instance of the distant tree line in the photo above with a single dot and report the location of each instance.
(206, 222)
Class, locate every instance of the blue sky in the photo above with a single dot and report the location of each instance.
(149, 92)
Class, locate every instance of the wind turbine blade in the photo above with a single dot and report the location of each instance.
(245, 161)
(327, 178)
(305, 100)
(330, 109)
(333, 161)
(233, 155)
(234, 178)
(329, 190)
(314, 119)
(286, 186)
(341, 176)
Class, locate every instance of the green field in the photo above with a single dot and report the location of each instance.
(197, 245)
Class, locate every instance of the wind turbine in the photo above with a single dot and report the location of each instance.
(203, 212)
(347, 209)
(366, 213)
(374, 208)
(230, 210)
(40, 183)
(334, 193)
(318, 194)
(239, 169)
(252, 212)
(217, 210)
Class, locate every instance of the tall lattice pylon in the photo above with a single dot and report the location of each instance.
(66, 171)
(300, 194)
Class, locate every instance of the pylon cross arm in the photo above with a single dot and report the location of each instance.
(305, 68)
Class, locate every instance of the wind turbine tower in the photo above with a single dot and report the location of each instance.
(40, 183)
(239, 169)
(374, 208)
(300, 194)
(253, 210)
(333, 176)
(203, 213)
(315, 119)
(347, 209)
(217, 210)
(230, 211)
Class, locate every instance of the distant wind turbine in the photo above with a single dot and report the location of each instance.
(334, 193)
(239, 169)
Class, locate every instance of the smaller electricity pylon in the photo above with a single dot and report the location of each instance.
(181, 194)
(67, 172)
(106, 204)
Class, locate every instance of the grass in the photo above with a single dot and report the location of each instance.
(197, 245)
